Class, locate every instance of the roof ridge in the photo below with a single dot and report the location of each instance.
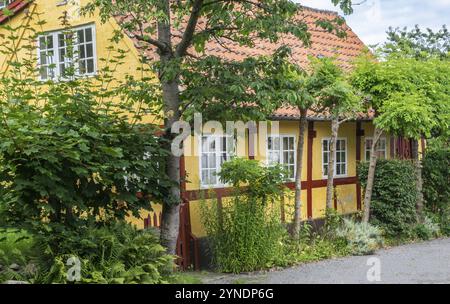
(318, 10)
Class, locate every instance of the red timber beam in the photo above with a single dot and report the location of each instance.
(194, 195)
(309, 168)
(359, 134)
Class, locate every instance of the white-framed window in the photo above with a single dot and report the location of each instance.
(281, 150)
(55, 57)
(381, 148)
(5, 3)
(215, 150)
(340, 157)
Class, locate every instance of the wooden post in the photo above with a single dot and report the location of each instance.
(311, 136)
(359, 134)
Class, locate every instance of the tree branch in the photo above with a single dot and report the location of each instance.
(190, 29)
(149, 40)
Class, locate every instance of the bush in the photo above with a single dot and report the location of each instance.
(361, 238)
(109, 254)
(393, 197)
(246, 233)
(427, 230)
(436, 186)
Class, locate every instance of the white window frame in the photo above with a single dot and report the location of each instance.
(5, 3)
(336, 163)
(55, 59)
(378, 150)
(218, 167)
(281, 151)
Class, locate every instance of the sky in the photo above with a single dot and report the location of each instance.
(371, 20)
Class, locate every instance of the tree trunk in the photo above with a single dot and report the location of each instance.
(298, 175)
(419, 180)
(332, 162)
(170, 213)
(171, 99)
(371, 175)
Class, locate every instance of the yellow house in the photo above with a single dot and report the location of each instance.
(200, 168)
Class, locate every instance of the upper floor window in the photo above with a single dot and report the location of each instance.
(340, 157)
(5, 3)
(281, 150)
(381, 148)
(215, 150)
(66, 53)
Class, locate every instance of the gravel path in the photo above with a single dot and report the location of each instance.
(427, 262)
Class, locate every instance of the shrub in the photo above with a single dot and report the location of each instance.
(246, 233)
(361, 238)
(115, 253)
(427, 230)
(436, 186)
(393, 197)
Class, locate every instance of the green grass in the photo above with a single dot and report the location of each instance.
(186, 278)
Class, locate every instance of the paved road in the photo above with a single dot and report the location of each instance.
(427, 262)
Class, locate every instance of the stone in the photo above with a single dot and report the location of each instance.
(11, 282)
(14, 267)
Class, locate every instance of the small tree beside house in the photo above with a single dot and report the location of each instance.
(337, 98)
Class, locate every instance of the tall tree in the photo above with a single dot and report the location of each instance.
(176, 29)
(418, 43)
(337, 98)
(410, 98)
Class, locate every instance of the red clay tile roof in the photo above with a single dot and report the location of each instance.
(15, 7)
(323, 43)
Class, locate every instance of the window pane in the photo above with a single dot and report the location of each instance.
(291, 143)
(212, 177)
(285, 143)
(90, 65)
(291, 157)
(90, 50)
(88, 34)
(80, 35)
(81, 51)
(42, 43)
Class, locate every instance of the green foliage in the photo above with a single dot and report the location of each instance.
(70, 151)
(418, 43)
(410, 97)
(116, 253)
(332, 221)
(246, 232)
(394, 196)
(361, 238)
(15, 248)
(427, 230)
(436, 185)
(332, 90)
